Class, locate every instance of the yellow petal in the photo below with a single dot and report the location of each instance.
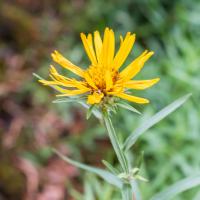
(44, 82)
(108, 48)
(95, 98)
(60, 80)
(88, 45)
(124, 50)
(141, 84)
(89, 80)
(121, 39)
(97, 44)
(109, 81)
(134, 68)
(111, 48)
(131, 98)
(104, 53)
(64, 81)
(58, 77)
(55, 75)
(58, 58)
(69, 92)
(79, 84)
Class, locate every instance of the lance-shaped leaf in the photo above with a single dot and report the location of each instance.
(178, 188)
(130, 141)
(67, 100)
(128, 107)
(107, 176)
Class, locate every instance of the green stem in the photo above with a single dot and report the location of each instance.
(126, 190)
(115, 143)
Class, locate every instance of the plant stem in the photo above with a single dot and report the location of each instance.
(126, 190)
(115, 143)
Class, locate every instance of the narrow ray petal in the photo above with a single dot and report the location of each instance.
(108, 48)
(121, 39)
(141, 84)
(88, 45)
(80, 85)
(132, 98)
(69, 92)
(58, 58)
(109, 81)
(90, 81)
(104, 53)
(134, 68)
(49, 83)
(67, 82)
(60, 80)
(56, 75)
(124, 50)
(97, 44)
(111, 48)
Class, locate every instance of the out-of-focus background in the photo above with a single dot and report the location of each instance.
(30, 123)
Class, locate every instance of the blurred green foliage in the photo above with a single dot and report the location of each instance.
(170, 28)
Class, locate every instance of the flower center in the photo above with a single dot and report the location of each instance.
(103, 78)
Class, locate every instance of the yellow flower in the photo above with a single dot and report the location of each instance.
(103, 78)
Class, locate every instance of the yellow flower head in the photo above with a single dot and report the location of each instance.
(103, 78)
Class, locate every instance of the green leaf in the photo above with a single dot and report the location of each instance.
(66, 100)
(128, 107)
(89, 111)
(37, 76)
(110, 167)
(88, 191)
(130, 141)
(178, 188)
(107, 176)
(111, 108)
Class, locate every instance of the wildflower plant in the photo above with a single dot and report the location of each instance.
(101, 88)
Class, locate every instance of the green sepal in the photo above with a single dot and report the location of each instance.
(89, 111)
(110, 167)
(128, 107)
